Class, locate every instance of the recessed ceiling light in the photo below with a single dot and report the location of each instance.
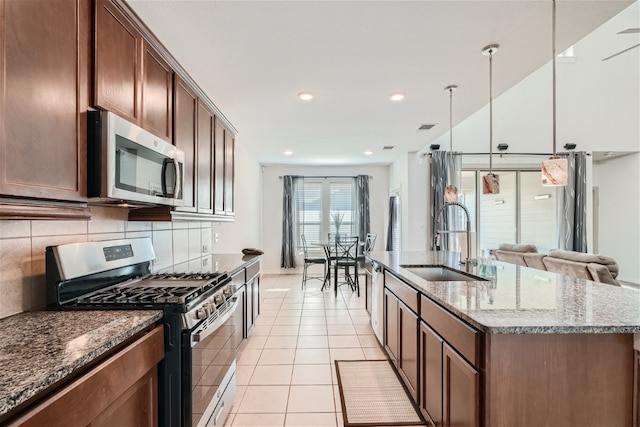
(368, 153)
(287, 152)
(305, 96)
(397, 96)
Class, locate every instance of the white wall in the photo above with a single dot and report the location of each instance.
(618, 183)
(244, 232)
(418, 203)
(272, 204)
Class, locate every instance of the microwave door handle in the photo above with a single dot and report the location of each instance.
(165, 170)
(177, 190)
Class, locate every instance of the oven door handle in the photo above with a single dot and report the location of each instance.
(207, 330)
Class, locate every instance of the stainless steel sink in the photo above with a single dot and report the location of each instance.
(440, 274)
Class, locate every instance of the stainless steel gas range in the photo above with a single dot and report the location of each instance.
(202, 320)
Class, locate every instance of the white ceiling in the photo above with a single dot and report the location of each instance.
(253, 57)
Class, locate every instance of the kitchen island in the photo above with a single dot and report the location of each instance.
(526, 348)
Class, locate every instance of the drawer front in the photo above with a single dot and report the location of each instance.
(404, 292)
(253, 270)
(238, 278)
(460, 336)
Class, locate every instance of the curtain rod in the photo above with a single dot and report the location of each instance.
(505, 154)
(325, 176)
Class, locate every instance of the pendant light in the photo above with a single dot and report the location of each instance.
(451, 192)
(491, 181)
(554, 170)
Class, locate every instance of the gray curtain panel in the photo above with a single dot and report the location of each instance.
(445, 170)
(573, 213)
(288, 254)
(362, 207)
(393, 222)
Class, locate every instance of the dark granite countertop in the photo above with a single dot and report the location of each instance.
(522, 300)
(40, 348)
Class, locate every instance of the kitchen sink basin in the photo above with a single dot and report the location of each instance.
(440, 274)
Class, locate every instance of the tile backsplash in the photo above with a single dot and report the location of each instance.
(179, 246)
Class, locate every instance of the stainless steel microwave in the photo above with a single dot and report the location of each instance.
(128, 165)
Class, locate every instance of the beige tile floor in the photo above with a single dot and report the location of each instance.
(286, 372)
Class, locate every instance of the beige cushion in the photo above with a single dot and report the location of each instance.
(534, 260)
(567, 267)
(609, 262)
(600, 273)
(513, 258)
(517, 248)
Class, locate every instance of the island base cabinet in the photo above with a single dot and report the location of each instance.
(431, 375)
(391, 339)
(559, 380)
(461, 391)
(408, 357)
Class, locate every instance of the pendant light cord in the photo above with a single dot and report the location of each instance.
(553, 52)
(451, 135)
(451, 119)
(491, 112)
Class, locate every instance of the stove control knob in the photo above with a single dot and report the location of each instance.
(217, 299)
(202, 313)
(227, 291)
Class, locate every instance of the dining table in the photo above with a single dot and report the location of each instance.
(326, 247)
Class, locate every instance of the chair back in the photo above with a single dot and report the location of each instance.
(346, 249)
(304, 246)
(370, 242)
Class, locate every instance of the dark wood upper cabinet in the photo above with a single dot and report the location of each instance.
(219, 174)
(229, 163)
(130, 77)
(157, 93)
(184, 137)
(117, 62)
(44, 88)
(204, 170)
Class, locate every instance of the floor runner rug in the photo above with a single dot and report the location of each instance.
(372, 395)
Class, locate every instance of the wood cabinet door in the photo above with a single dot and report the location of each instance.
(117, 57)
(408, 361)
(44, 87)
(219, 173)
(229, 171)
(461, 390)
(204, 169)
(184, 137)
(157, 93)
(391, 339)
(431, 374)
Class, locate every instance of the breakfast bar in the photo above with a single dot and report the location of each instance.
(526, 347)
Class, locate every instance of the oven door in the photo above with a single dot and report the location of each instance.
(208, 379)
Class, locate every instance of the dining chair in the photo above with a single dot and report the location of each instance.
(346, 256)
(369, 243)
(309, 260)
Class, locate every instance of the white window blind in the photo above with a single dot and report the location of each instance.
(317, 200)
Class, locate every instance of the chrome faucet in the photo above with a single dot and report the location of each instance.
(468, 259)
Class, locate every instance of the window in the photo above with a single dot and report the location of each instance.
(523, 212)
(317, 199)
